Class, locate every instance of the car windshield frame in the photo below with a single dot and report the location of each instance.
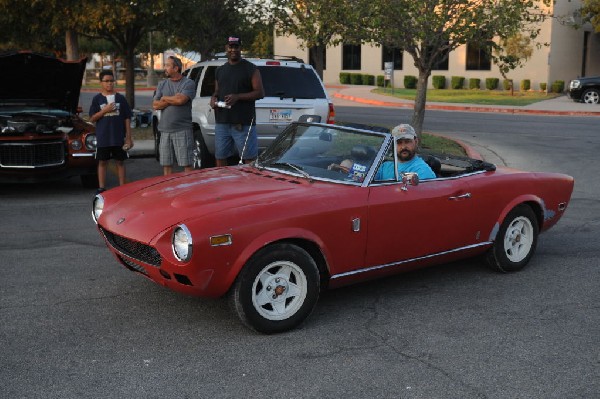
(315, 151)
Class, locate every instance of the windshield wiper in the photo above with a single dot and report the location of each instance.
(294, 167)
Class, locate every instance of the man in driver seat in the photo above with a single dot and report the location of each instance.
(408, 160)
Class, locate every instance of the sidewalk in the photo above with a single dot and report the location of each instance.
(361, 95)
(562, 105)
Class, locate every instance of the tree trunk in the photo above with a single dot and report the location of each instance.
(130, 77)
(316, 54)
(420, 101)
(72, 45)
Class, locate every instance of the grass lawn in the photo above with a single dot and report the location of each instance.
(484, 97)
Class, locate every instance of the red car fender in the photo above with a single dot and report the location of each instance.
(270, 237)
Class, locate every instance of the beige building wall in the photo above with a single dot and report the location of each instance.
(562, 59)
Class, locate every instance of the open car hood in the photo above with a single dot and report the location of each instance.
(35, 79)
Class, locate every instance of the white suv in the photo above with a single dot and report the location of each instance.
(292, 89)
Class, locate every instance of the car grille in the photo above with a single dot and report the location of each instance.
(32, 155)
(133, 249)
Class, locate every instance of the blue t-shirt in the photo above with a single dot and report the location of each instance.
(110, 129)
(415, 165)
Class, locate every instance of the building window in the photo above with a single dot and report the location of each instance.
(311, 60)
(391, 54)
(351, 57)
(478, 58)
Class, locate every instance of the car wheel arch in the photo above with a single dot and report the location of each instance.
(310, 244)
(515, 239)
(534, 202)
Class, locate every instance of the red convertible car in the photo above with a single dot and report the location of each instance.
(42, 136)
(309, 215)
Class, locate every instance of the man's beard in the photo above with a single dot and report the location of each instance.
(406, 155)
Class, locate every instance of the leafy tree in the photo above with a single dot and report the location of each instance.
(318, 24)
(203, 25)
(429, 30)
(509, 54)
(25, 27)
(125, 24)
(591, 13)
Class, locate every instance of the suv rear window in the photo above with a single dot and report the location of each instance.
(290, 82)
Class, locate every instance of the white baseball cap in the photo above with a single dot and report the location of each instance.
(404, 131)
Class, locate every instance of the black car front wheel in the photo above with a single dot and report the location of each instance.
(591, 96)
(516, 240)
(277, 289)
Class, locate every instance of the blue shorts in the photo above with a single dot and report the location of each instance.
(230, 139)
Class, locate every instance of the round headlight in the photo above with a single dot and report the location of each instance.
(182, 243)
(98, 207)
(90, 142)
(76, 145)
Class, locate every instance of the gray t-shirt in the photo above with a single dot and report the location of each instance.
(176, 117)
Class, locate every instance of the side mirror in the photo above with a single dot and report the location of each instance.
(411, 179)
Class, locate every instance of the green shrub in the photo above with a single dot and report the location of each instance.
(410, 82)
(525, 84)
(439, 82)
(356, 78)
(380, 80)
(558, 86)
(506, 83)
(344, 78)
(491, 83)
(543, 86)
(457, 82)
(368, 80)
(475, 83)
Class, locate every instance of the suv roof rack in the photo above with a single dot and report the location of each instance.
(221, 56)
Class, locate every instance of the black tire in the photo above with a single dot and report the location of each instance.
(90, 180)
(156, 138)
(516, 240)
(591, 96)
(202, 158)
(277, 289)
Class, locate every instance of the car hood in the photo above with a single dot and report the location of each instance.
(143, 209)
(40, 80)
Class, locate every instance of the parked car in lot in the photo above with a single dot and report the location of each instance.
(292, 88)
(272, 234)
(41, 134)
(586, 90)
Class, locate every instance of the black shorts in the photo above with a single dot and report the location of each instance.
(117, 153)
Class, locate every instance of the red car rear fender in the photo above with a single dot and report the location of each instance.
(533, 201)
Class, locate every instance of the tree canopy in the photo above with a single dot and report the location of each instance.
(591, 11)
(429, 30)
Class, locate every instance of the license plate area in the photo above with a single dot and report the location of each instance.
(280, 115)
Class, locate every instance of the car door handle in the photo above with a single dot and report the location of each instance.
(459, 197)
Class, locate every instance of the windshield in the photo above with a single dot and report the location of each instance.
(323, 152)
